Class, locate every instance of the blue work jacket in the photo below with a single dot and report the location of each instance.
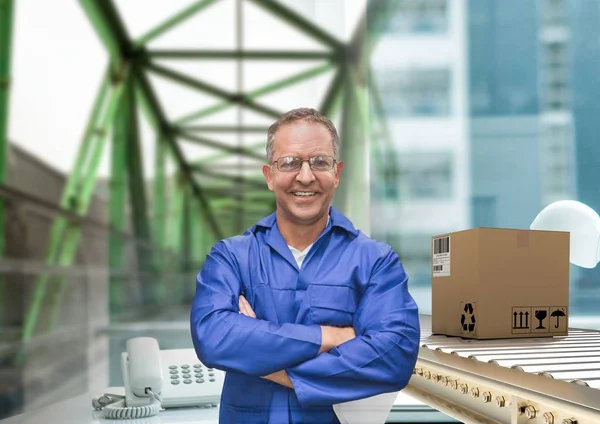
(347, 279)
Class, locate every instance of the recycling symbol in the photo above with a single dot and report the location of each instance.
(467, 319)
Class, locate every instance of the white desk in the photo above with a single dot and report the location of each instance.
(79, 411)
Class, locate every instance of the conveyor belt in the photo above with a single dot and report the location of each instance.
(534, 380)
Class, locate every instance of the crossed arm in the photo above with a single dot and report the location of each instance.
(330, 337)
(324, 365)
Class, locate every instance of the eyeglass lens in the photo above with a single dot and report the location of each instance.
(316, 163)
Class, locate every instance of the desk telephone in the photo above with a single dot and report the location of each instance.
(156, 378)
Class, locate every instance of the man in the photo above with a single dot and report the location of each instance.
(303, 311)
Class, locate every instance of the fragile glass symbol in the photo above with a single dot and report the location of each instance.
(541, 315)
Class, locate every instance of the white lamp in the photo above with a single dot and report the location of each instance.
(578, 219)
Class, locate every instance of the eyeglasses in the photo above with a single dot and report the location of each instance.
(316, 163)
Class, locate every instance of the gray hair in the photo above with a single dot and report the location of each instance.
(302, 114)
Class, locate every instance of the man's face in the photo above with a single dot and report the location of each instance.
(302, 196)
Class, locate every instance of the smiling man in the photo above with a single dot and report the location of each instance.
(303, 311)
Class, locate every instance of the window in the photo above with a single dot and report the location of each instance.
(419, 16)
(554, 12)
(415, 176)
(415, 91)
(425, 176)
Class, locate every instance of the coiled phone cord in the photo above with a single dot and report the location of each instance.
(115, 409)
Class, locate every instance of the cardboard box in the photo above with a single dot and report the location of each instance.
(490, 283)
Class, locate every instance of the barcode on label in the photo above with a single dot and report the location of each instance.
(438, 267)
(441, 245)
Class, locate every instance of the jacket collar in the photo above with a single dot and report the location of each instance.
(337, 220)
(274, 238)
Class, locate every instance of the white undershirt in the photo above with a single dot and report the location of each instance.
(300, 255)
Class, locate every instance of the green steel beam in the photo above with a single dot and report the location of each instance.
(270, 88)
(220, 192)
(137, 189)
(84, 196)
(199, 239)
(159, 217)
(111, 30)
(140, 222)
(291, 80)
(349, 126)
(219, 156)
(76, 196)
(362, 102)
(255, 194)
(249, 218)
(117, 203)
(173, 21)
(156, 115)
(175, 215)
(65, 237)
(211, 89)
(215, 182)
(225, 206)
(201, 170)
(251, 193)
(105, 20)
(186, 228)
(262, 203)
(211, 110)
(159, 195)
(183, 247)
(233, 166)
(6, 24)
(241, 54)
(299, 22)
(342, 192)
(230, 219)
(333, 93)
(203, 141)
(226, 128)
(354, 188)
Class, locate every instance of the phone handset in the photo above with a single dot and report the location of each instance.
(142, 371)
(143, 380)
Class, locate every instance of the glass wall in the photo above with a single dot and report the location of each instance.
(492, 108)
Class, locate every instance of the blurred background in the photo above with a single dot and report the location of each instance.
(132, 135)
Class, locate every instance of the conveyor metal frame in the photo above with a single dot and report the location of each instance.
(494, 381)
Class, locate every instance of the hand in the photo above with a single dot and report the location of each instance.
(344, 334)
(280, 377)
(245, 307)
(333, 337)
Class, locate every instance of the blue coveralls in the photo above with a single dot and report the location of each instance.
(347, 279)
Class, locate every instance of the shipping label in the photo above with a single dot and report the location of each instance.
(441, 256)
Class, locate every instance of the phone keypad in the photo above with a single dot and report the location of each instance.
(183, 373)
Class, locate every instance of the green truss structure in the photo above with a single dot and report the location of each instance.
(6, 19)
(206, 203)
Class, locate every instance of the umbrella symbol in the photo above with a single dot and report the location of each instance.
(558, 313)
